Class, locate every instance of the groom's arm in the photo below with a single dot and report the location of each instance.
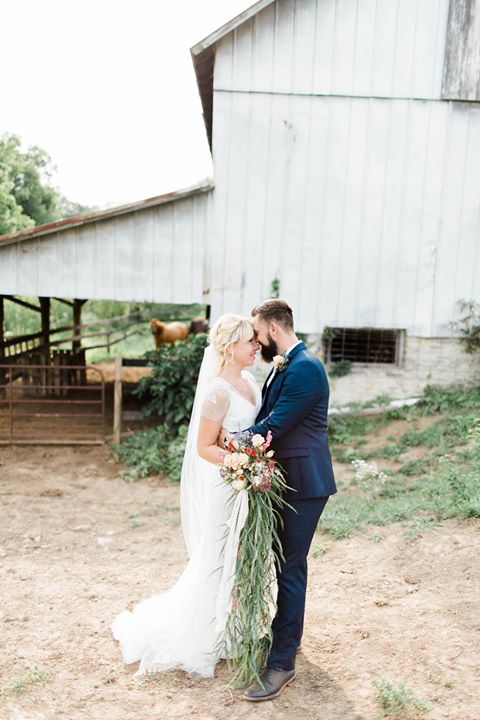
(302, 388)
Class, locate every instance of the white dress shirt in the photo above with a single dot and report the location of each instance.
(287, 352)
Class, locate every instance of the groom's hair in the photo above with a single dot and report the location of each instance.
(277, 310)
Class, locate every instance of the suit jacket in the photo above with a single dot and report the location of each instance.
(294, 409)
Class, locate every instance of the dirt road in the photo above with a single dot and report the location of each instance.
(78, 544)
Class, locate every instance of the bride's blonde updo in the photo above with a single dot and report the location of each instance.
(228, 330)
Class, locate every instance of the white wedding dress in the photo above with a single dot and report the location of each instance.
(183, 626)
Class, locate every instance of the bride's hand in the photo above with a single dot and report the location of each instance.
(223, 437)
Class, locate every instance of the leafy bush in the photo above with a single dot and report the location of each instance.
(171, 388)
(152, 451)
(469, 325)
(442, 399)
(172, 383)
(397, 700)
(340, 368)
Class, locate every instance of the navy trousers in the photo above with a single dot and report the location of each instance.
(296, 537)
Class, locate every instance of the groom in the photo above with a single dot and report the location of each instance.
(294, 409)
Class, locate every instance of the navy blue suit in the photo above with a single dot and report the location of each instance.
(294, 409)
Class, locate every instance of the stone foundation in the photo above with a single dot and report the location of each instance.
(425, 361)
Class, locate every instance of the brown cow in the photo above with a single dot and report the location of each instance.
(164, 333)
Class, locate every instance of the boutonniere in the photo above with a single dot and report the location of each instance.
(280, 362)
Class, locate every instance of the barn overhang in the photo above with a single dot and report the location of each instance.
(148, 251)
(57, 226)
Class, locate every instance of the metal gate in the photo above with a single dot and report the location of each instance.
(51, 405)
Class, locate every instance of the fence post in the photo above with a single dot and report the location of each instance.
(117, 401)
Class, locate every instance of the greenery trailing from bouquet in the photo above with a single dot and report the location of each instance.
(248, 466)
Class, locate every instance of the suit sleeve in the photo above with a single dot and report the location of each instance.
(301, 390)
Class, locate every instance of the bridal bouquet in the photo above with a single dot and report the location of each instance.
(254, 547)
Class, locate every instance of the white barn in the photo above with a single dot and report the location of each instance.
(345, 137)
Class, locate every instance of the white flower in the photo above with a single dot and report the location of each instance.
(278, 361)
(270, 453)
(234, 460)
(227, 460)
(258, 440)
(238, 485)
(243, 458)
(368, 475)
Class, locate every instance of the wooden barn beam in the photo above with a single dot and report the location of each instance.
(23, 302)
(45, 318)
(77, 323)
(2, 344)
(2, 329)
(65, 302)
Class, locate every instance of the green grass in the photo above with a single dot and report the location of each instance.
(151, 451)
(31, 677)
(441, 482)
(398, 702)
(133, 347)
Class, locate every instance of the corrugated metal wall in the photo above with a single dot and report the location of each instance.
(150, 255)
(384, 48)
(338, 169)
(362, 198)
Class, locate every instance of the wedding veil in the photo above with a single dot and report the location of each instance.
(192, 489)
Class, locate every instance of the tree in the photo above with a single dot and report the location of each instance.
(27, 197)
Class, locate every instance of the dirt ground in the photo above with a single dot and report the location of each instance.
(78, 544)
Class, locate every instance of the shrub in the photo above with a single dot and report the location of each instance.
(172, 383)
(340, 368)
(442, 399)
(469, 325)
(152, 451)
(397, 700)
(171, 388)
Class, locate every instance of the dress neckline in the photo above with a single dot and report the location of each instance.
(254, 404)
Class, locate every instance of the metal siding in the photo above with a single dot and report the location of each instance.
(163, 253)
(339, 47)
(182, 251)
(85, 286)
(9, 270)
(198, 242)
(458, 248)
(49, 271)
(343, 199)
(105, 273)
(149, 255)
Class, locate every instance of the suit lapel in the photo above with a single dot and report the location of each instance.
(265, 384)
(266, 388)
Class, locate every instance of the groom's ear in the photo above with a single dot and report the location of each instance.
(273, 328)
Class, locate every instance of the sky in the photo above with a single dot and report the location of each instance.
(107, 88)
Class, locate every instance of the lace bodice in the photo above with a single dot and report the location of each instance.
(223, 400)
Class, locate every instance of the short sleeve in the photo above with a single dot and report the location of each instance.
(215, 403)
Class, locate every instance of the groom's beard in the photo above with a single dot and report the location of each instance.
(269, 351)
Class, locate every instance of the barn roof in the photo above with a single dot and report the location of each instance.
(92, 217)
(203, 56)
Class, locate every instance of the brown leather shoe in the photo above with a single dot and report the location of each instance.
(273, 680)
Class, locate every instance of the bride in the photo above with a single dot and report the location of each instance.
(183, 627)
